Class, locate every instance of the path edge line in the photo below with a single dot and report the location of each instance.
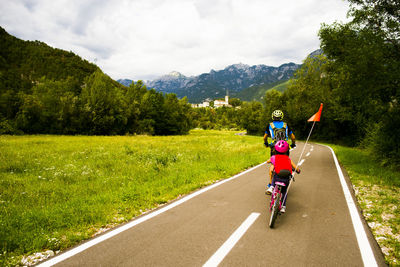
(367, 254)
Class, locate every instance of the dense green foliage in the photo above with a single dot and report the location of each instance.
(357, 79)
(364, 63)
(23, 65)
(47, 90)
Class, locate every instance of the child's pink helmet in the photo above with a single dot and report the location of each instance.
(282, 146)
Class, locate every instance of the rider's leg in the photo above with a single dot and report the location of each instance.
(270, 188)
(284, 196)
(271, 170)
(274, 179)
(283, 191)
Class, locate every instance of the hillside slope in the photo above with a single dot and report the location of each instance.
(257, 92)
(23, 63)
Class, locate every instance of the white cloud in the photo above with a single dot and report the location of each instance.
(141, 39)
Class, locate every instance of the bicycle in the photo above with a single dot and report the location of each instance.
(277, 198)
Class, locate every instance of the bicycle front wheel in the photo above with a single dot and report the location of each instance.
(275, 210)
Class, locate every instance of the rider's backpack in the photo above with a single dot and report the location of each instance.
(279, 133)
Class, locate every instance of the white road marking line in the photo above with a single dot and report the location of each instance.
(111, 233)
(308, 154)
(301, 162)
(363, 243)
(312, 148)
(220, 254)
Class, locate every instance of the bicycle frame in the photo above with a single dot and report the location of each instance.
(277, 189)
(276, 203)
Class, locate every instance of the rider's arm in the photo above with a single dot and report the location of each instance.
(265, 138)
(266, 135)
(293, 138)
(294, 167)
(291, 135)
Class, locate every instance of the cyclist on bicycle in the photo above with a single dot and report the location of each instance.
(278, 130)
(281, 161)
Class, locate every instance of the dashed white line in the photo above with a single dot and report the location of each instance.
(220, 254)
(308, 154)
(301, 162)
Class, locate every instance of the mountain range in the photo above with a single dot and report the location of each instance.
(235, 80)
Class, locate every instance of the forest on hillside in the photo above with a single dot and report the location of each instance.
(49, 91)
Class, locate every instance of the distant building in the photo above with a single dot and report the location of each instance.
(217, 103)
(222, 103)
(205, 104)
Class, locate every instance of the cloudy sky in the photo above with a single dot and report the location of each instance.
(143, 39)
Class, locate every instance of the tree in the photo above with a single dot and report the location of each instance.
(176, 117)
(132, 100)
(29, 118)
(273, 100)
(102, 105)
(151, 112)
(253, 118)
(364, 63)
(310, 87)
(235, 102)
(378, 16)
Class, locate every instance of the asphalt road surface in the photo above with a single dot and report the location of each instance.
(316, 230)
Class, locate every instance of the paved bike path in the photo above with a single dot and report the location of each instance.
(316, 229)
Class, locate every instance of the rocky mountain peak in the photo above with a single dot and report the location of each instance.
(239, 66)
(176, 74)
(214, 84)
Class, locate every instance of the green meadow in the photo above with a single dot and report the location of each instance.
(59, 190)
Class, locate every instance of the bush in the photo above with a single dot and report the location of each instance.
(7, 128)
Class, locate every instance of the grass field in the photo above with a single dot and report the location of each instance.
(378, 192)
(59, 190)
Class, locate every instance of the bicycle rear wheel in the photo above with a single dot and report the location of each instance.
(275, 210)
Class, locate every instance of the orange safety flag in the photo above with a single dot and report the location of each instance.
(316, 116)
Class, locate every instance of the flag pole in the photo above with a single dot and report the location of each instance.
(290, 183)
(304, 147)
(316, 117)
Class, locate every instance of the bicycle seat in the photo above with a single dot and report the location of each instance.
(284, 174)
